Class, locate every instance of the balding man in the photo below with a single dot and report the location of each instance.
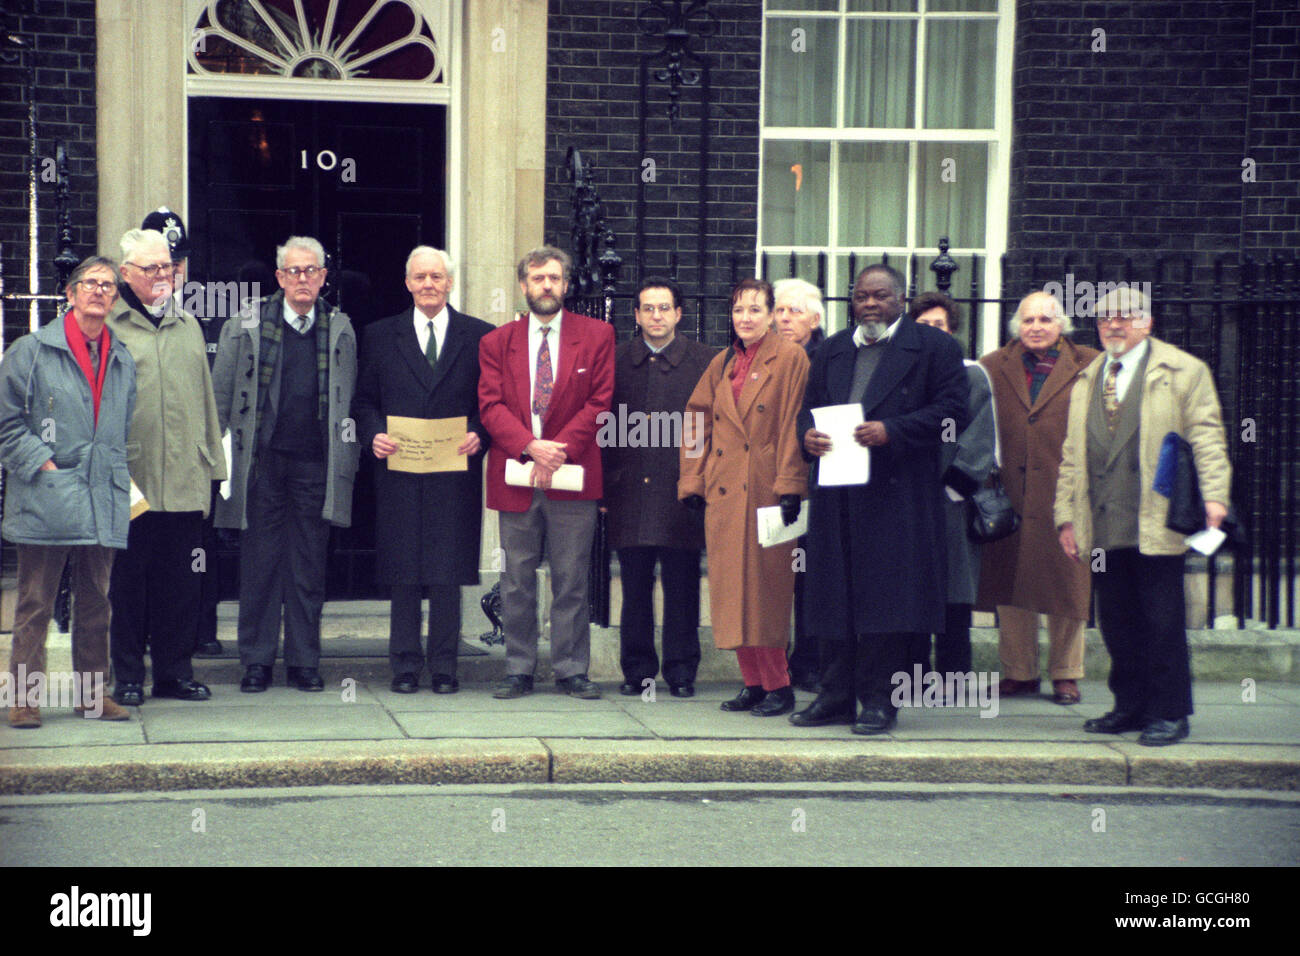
(423, 363)
(1111, 519)
(1025, 575)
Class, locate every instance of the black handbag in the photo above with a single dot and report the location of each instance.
(990, 516)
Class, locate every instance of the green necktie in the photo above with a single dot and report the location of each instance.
(431, 350)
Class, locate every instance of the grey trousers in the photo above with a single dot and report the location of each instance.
(562, 530)
(282, 562)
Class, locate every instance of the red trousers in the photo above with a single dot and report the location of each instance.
(763, 665)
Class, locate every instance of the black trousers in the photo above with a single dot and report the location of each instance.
(1142, 614)
(282, 561)
(404, 651)
(952, 653)
(208, 591)
(806, 658)
(679, 570)
(863, 669)
(154, 593)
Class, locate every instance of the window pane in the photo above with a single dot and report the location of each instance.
(803, 5)
(879, 75)
(805, 266)
(795, 193)
(959, 59)
(872, 6)
(873, 191)
(800, 72)
(951, 186)
(979, 6)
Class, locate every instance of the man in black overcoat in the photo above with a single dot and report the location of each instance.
(654, 376)
(877, 552)
(423, 363)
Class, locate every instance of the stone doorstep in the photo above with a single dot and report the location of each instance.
(567, 761)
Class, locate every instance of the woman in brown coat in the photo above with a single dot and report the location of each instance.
(1027, 573)
(744, 456)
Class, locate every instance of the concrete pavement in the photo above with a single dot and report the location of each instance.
(1245, 733)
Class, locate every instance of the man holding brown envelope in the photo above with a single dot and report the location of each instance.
(419, 378)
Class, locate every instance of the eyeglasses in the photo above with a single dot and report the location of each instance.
(90, 285)
(1121, 319)
(663, 309)
(153, 271)
(307, 272)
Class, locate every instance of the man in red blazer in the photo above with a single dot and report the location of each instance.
(544, 379)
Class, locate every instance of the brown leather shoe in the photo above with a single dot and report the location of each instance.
(24, 717)
(1065, 692)
(1017, 688)
(112, 710)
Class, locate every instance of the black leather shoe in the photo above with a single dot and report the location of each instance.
(180, 690)
(405, 684)
(1162, 733)
(579, 686)
(129, 695)
(209, 649)
(515, 685)
(776, 703)
(257, 678)
(303, 678)
(823, 711)
(1115, 722)
(745, 700)
(875, 720)
(682, 690)
(630, 688)
(445, 684)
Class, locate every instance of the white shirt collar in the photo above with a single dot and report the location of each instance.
(535, 324)
(292, 317)
(860, 339)
(439, 320)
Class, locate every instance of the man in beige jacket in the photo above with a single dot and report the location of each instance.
(174, 453)
(1109, 517)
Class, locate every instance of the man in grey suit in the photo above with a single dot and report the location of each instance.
(283, 378)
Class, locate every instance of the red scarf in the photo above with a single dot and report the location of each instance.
(77, 342)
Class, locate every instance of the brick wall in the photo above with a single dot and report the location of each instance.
(594, 103)
(1134, 151)
(62, 53)
(1271, 204)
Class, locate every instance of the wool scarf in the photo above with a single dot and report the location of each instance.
(272, 333)
(77, 342)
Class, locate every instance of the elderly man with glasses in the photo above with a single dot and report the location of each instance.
(174, 453)
(284, 377)
(66, 397)
(1110, 518)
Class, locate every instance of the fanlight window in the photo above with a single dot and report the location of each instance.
(316, 39)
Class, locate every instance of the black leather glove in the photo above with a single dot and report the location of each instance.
(694, 503)
(789, 509)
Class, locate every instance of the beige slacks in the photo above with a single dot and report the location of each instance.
(1018, 645)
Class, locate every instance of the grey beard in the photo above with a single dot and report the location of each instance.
(874, 329)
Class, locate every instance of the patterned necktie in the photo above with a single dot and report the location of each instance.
(1109, 396)
(545, 379)
(431, 350)
(92, 346)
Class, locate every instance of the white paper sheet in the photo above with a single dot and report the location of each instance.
(566, 477)
(1207, 541)
(224, 488)
(847, 463)
(772, 531)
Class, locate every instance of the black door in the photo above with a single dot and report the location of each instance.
(366, 179)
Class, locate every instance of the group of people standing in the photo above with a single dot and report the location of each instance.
(884, 564)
